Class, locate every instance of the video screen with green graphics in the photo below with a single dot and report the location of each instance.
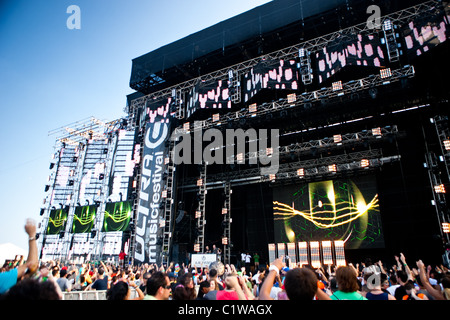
(341, 209)
(56, 221)
(117, 216)
(83, 219)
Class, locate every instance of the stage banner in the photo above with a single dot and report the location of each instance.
(271, 74)
(215, 95)
(150, 219)
(202, 260)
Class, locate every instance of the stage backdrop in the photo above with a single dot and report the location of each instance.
(343, 209)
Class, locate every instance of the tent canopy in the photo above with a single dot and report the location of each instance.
(8, 251)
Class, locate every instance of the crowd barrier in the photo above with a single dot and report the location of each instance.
(90, 295)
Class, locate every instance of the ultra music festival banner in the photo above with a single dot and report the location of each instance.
(149, 228)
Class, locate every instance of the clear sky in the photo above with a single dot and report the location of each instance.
(51, 76)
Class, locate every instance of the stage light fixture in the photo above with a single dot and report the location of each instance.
(215, 117)
(447, 145)
(186, 126)
(339, 253)
(387, 25)
(197, 247)
(199, 182)
(225, 241)
(326, 252)
(198, 214)
(364, 163)
(376, 131)
(224, 210)
(439, 188)
(301, 172)
(385, 73)
(291, 98)
(301, 52)
(332, 168)
(253, 107)
(315, 254)
(446, 227)
(337, 85)
(272, 177)
(337, 138)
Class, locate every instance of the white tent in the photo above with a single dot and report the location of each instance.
(8, 251)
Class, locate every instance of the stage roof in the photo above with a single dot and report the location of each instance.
(264, 29)
(150, 68)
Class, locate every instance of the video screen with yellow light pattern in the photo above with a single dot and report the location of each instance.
(342, 209)
(117, 216)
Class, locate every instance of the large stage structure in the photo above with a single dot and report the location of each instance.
(357, 114)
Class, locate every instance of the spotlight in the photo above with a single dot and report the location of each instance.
(337, 138)
(446, 227)
(364, 163)
(337, 85)
(439, 188)
(385, 73)
(447, 145)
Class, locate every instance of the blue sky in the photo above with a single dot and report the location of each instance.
(51, 76)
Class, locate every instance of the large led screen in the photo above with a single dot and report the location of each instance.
(343, 209)
(272, 74)
(424, 33)
(56, 221)
(117, 216)
(359, 50)
(83, 219)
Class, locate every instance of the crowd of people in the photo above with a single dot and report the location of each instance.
(33, 280)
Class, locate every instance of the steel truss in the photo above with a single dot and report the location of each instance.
(312, 169)
(292, 52)
(199, 245)
(300, 100)
(168, 205)
(226, 223)
(439, 178)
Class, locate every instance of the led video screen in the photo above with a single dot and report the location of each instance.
(422, 34)
(216, 95)
(83, 219)
(360, 50)
(117, 216)
(56, 221)
(342, 209)
(273, 74)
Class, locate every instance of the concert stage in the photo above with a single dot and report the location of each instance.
(322, 135)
